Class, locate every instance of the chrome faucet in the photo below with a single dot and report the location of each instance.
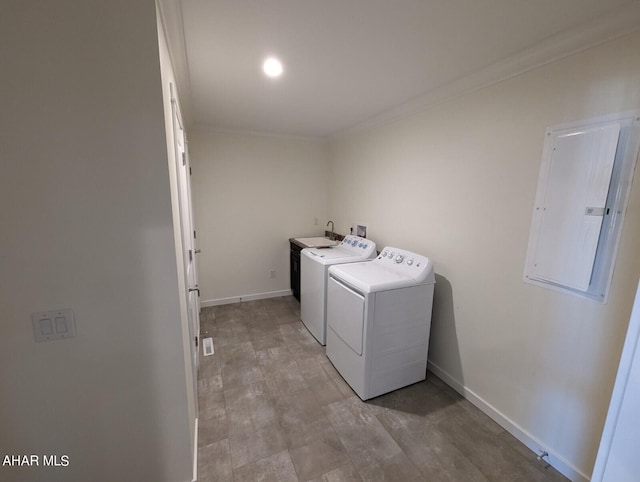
(332, 236)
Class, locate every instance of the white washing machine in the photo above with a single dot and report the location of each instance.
(379, 320)
(314, 264)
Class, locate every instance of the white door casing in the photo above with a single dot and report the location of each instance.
(183, 171)
(617, 459)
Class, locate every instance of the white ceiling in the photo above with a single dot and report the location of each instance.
(350, 61)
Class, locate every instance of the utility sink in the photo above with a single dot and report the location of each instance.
(317, 242)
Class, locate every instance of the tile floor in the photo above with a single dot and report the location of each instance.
(273, 408)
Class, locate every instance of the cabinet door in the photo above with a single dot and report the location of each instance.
(294, 273)
(581, 199)
(574, 205)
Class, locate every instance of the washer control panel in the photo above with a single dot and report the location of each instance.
(362, 246)
(405, 262)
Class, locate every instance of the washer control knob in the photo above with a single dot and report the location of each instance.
(409, 262)
(390, 254)
(399, 259)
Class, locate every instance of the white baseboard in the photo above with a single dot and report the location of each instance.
(559, 463)
(239, 299)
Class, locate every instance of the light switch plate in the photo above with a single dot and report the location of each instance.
(53, 325)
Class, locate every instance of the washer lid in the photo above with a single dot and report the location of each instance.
(332, 255)
(352, 248)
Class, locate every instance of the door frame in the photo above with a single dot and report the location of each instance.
(187, 236)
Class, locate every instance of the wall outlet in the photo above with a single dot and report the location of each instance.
(272, 273)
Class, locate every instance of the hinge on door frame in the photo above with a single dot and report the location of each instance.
(190, 255)
(194, 234)
(189, 170)
(184, 158)
(196, 342)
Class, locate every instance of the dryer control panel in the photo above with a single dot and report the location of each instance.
(406, 263)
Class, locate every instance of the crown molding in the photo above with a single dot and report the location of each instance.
(209, 129)
(619, 23)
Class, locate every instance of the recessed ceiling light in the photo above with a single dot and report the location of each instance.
(272, 67)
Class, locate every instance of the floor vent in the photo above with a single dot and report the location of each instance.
(207, 346)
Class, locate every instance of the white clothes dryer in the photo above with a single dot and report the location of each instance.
(314, 266)
(379, 321)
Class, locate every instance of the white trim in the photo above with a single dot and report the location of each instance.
(240, 299)
(195, 454)
(630, 355)
(170, 13)
(622, 21)
(559, 463)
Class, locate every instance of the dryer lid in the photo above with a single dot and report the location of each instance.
(393, 269)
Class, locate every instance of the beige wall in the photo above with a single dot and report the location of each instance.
(85, 210)
(251, 194)
(457, 183)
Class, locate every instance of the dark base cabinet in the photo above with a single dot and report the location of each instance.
(294, 270)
